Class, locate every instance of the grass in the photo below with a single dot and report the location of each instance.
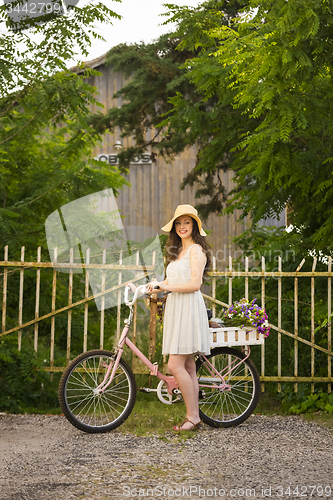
(150, 417)
(270, 405)
(323, 419)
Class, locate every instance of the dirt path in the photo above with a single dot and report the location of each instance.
(44, 457)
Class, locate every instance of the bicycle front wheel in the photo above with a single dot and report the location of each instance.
(231, 404)
(88, 410)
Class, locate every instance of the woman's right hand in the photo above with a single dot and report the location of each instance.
(150, 287)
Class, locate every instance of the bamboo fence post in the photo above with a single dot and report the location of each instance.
(101, 338)
(53, 303)
(70, 301)
(86, 293)
(119, 296)
(263, 268)
(21, 300)
(279, 321)
(296, 332)
(4, 291)
(329, 327)
(37, 299)
(152, 323)
(312, 319)
(246, 296)
(230, 282)
(135, 308)
(296, 324)
(134, 359)
(165, 366)
(246, 278)
(230, 294)
(214, 288)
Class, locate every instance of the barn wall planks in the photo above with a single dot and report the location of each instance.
(155, 188)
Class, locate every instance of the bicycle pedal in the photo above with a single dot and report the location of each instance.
(146, 390)
(178, 399)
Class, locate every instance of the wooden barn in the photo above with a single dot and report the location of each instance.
(155, 187)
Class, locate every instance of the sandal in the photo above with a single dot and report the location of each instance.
(179, 428)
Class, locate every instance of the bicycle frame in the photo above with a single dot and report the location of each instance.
(170, 381)
(221, 375)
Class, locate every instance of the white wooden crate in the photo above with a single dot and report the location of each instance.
(233, 336)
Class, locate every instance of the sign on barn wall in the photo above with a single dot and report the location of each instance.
(112, 159)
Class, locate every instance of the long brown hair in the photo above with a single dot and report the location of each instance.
(174, 244)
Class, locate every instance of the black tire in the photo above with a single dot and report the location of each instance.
(91, 412)
(228, 407)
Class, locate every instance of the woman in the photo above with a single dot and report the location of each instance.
(186, 329)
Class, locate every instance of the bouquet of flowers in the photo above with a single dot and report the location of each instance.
(246, 314)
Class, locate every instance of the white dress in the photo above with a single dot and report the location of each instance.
(186, 328)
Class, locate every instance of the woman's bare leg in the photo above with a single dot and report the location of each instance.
(182, 367)
(192, 370)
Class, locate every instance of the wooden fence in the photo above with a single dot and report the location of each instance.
(279, 275)
(10, 267)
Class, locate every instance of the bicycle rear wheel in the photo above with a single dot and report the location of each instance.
(229, 406)
(82, 406)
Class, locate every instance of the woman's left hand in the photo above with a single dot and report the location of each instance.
(150, 287)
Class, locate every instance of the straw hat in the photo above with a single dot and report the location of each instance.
(185, 210)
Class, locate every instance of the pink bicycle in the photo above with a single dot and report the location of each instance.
(97, 390)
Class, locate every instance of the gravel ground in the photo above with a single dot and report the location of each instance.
(44, 457)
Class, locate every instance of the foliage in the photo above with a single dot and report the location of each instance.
(27, 60)
(252, 91)
(314, 402)
(47, 164)
(326, 323)
(275, 244)
(304, 401)
(273, 68)
(46, 146)
(246, 314)
(24, 384)
(45, 139)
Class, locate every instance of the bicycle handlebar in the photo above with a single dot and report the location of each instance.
(136, 294)
(140, 289)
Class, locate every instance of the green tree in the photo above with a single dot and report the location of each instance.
(46, 146)
(274, 68)
(26, 60)
(47, 163)
(45, 139)
(253, 93)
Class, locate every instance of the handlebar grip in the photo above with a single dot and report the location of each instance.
(156, 287)
(140, 289)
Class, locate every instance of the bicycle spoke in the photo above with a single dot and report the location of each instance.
(94, 410)
(223, 405)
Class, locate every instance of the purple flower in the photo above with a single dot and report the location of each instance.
(247, 312)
